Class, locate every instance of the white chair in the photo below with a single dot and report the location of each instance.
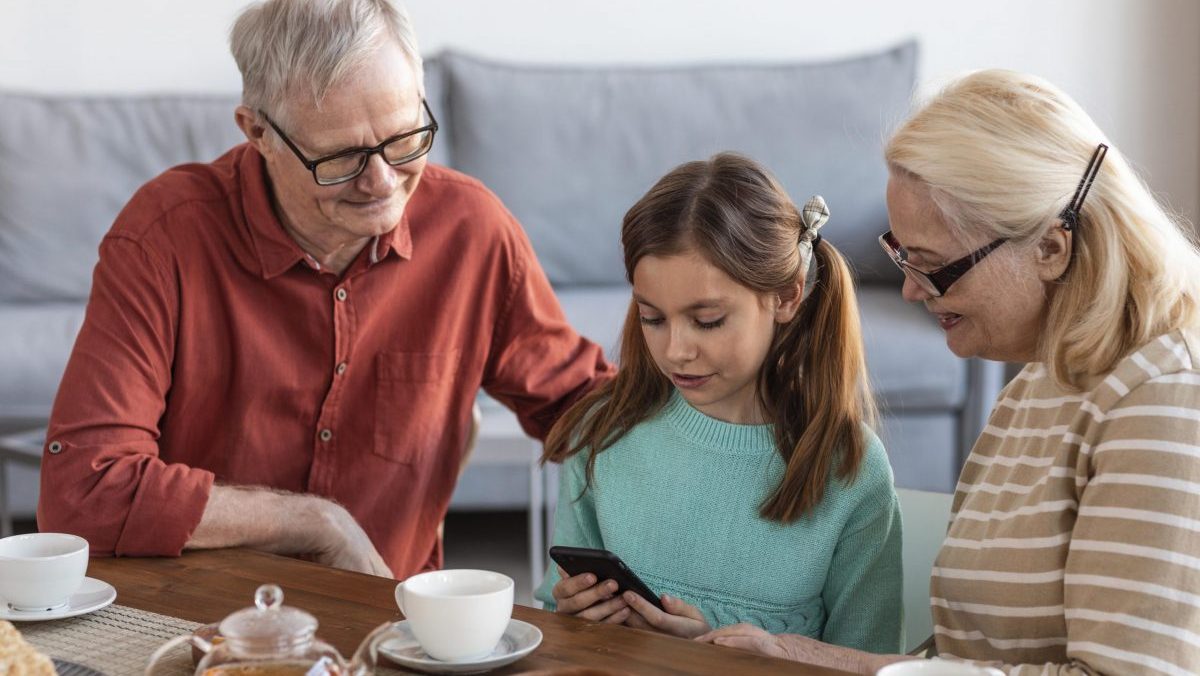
(925, 517)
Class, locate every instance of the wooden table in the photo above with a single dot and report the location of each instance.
(206, 586)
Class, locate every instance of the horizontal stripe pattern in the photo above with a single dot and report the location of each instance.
(1075, 540)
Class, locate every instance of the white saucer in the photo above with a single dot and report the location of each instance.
(93, 595)
(519, 639)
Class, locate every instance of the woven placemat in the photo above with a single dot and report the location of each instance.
(116, 641)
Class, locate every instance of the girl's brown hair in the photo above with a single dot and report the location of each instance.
(812, 385)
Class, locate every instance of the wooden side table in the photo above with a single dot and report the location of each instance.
(23, 448)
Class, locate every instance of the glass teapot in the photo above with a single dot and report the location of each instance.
(272, 639)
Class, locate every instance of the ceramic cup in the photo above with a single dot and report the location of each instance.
(40, 571)
(457, 615)
(936, 667)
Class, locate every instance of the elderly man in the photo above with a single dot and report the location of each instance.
(282, 347)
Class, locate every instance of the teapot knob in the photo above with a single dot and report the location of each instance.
(268, 597)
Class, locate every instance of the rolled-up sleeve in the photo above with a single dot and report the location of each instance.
(102, 477)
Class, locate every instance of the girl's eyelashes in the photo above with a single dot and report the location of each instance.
(657, 321)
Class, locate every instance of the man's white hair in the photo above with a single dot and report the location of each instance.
(290, 49)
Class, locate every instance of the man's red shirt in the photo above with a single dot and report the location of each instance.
(215, 350)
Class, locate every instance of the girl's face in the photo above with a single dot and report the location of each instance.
(708, 334)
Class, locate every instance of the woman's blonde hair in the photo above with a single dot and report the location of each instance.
(1002, 153)
(813, 383)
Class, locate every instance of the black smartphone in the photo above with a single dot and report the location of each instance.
(605, 566)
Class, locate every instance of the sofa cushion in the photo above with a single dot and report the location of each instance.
(68, 166)
(597, 313)
(570, 149)
(435, 95)
(908, 362)
(35, 342)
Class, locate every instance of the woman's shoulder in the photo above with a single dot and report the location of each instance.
(1166, 368)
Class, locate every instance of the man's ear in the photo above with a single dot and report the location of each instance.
(247, 120)
(1054, 253)
(789, 303)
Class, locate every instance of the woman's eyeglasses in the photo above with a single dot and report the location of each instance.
(937, 282)
(934, 282)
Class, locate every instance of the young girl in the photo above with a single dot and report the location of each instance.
(729, 463)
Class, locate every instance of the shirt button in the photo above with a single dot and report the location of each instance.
(326, 435)
(341, 368)
(55, 447)
(341, 294)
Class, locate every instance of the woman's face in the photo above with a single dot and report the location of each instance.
(998, 308)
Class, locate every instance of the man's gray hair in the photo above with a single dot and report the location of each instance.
(288, 48)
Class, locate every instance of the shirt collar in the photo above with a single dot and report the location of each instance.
(276, 250)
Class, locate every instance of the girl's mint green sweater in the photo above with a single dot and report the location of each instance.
(677, 499)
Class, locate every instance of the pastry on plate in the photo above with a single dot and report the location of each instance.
(18, 658)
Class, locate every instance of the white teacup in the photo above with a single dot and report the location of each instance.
(457, 615)
(936, 667)
(40, 571)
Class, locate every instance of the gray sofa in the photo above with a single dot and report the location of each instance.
(568, 150)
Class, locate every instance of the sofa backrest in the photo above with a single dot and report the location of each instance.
(69, 164)
(570, 149)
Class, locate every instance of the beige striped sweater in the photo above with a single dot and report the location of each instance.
(1074, 542)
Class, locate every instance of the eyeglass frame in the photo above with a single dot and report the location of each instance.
(941, 279)
(311, 165)
(935, 282)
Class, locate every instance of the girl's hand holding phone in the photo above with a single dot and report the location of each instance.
(680, 619)
(583, 596)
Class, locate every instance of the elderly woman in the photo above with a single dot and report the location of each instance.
(1074, 542)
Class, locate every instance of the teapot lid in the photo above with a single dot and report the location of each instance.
(269, 620)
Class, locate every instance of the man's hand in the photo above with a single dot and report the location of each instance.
(338, 541)
(286, 523)
(681, 619)
(582, 596)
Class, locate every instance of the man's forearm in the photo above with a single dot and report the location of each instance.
(256, 517)
(286, 523)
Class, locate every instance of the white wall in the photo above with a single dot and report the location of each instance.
(1134, 64)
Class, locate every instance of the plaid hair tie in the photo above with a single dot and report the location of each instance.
(814, 215)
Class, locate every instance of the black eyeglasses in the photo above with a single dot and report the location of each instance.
(347, 164)
(935, 282)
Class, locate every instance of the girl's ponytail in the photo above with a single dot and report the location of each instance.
(819, 416)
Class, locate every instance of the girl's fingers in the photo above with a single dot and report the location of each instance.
(588, 597)
(599, 611)
(619, 617)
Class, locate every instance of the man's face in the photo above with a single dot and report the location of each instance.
(376, 102)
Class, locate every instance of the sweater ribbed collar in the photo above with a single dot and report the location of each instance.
(716, 434)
